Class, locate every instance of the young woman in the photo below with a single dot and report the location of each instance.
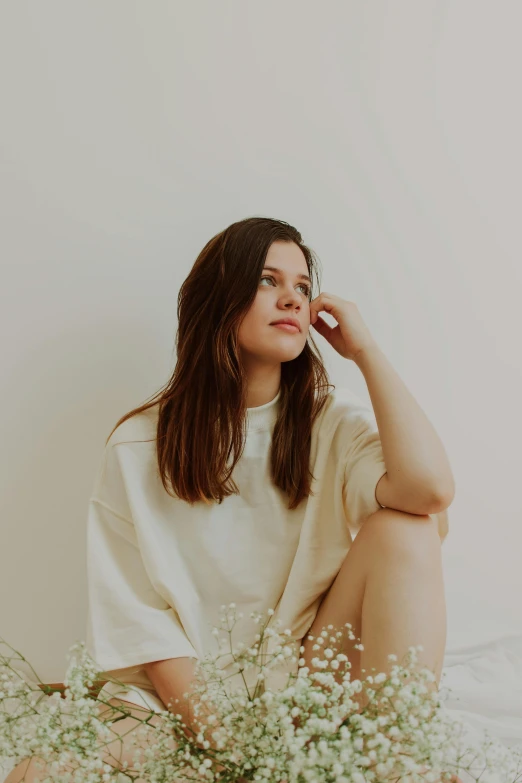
(246, 479)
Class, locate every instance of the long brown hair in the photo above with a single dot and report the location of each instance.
(202, 408)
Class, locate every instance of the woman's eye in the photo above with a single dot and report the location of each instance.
(305, 287)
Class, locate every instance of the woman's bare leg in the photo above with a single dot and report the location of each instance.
(390, 588)
(117, 751)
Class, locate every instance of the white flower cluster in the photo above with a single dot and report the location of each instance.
(313, 730)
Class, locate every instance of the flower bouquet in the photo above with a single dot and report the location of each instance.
(313, 730)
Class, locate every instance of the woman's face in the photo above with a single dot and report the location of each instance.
(281, 294)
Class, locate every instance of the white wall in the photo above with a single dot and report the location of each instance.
(389, 134)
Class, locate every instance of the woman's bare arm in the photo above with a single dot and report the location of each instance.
(172, 678)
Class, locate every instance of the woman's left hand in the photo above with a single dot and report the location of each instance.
(351, 335)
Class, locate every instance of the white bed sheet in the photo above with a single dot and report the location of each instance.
(480, 684)
(486, 686)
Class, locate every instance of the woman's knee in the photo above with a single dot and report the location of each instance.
(401, 534)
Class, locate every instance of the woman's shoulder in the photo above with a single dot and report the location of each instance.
(344, 416)
(343, 401)
(140, 427)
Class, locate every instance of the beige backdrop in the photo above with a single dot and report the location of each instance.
(133, 132)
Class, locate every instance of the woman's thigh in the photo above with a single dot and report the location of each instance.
(342, 602)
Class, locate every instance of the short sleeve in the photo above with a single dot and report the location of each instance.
(128, 622)
(363, 464)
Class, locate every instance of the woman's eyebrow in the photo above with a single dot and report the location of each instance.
(275, 269)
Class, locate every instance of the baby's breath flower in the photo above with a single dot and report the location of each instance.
(310, 729)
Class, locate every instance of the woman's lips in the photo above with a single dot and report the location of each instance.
(287, 327)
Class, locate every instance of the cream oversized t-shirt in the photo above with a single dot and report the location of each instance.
(159, 569)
